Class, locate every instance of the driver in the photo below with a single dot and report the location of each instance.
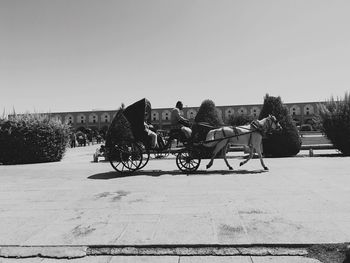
(180, 122)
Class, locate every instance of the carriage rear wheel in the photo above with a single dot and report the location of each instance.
(145, 156)
(186, 162)
(126, 157)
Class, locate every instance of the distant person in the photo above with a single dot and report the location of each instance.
(180, 122)
(73, 140)
(81, 138)
(98, 138)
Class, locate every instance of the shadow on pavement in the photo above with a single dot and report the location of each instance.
(156, 173)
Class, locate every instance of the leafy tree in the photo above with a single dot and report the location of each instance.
(286, 142)
(335, 122)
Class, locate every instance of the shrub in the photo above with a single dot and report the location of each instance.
(286, 142)
(335, 122)
(208, 114)
(32, 138)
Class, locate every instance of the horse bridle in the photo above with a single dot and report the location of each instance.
(270, 121)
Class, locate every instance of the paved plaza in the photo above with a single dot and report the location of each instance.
(76, 208)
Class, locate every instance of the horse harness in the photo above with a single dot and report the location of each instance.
(223, 132)
(256, 127)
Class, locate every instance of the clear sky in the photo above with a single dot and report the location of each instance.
(70, 55)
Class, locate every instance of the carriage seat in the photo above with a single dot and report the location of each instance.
(178, 134)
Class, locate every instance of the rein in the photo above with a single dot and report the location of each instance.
(257, 128)
(228, 137)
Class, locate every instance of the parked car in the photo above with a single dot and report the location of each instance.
(306, 127)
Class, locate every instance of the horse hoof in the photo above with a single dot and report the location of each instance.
(240, 164)
(266, 169)
(208, 166)
(230, 168)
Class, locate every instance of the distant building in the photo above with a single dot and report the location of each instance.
(302, 113)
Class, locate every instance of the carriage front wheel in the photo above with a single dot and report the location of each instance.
(126, 157)
(186, 162)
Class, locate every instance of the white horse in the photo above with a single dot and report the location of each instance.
(247, 135)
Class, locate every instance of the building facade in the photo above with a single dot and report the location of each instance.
(302, 113)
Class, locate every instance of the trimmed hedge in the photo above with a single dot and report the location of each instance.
(335, 122)
(286, 142)
(32, 138)
(208, 115)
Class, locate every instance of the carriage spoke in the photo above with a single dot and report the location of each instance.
(186, 162)
(132, 158)
(133, 164)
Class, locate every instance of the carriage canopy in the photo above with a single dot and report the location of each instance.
(128, 123)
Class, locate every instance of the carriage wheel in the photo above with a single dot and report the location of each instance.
(115, 160)
(185, 162)
(131, 156)
(126, 157)
(145, 156)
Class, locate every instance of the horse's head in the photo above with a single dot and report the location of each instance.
(273, 124)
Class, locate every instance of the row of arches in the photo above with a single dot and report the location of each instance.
(191, 113)
(164, 115)
(253, 111)
(83, 118)
(307, 110)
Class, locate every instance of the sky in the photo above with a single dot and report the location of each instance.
(81, 55)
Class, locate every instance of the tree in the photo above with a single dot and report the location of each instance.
(286, 142)
(207, 113)
(335, 122)
(206, 119)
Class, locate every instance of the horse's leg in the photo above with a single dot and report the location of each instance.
(251, 151)
(225, 158)
(218, 147)
(258, 150)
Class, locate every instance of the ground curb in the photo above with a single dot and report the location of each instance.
(197, 250)
(43, 251)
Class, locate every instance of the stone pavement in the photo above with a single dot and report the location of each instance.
(76, 205)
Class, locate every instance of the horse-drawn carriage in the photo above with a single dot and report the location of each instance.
(128, 146)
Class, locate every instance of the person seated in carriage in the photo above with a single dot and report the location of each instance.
(149, 130)
(178, 122)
